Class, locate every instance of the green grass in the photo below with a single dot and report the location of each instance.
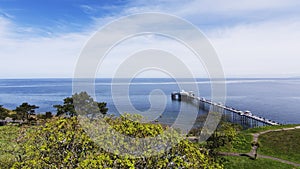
(8, 135)
(282, 144)
(264, 128)
(242, 143)
(246, 163)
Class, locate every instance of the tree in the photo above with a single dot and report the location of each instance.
(48, 115)
(85, 105)
(25, 110)
(102, 107)
(67, 108)
(3, 112)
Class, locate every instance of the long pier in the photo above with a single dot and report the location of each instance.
(245, 118)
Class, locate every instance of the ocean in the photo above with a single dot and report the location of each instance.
(272, 98)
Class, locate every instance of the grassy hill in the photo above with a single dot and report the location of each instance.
(282, 144)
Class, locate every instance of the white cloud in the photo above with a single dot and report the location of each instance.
(146, 44)
(262, 47)
(5, 14)
(88, 9)
(215, 6)
(233, 6)
(4, 24)
(258, 38)
(22, 56)
(269, 48)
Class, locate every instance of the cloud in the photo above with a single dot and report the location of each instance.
(102, 9)
(5, 14)
(184, 8)
(88, 9)
(209, 14)
(265, 45)
(4, 26)
(232, 6)
(36, 56)
(260, 49)
(257, 38)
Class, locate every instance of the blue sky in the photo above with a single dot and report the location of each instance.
(58, 16)
(258, 38)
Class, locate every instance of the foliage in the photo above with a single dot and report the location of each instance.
(287, 144)
(63, 143)
(224, 135)
(47, 115)
(59, 144)
(67, 108)
(241, 144)
(102, 107)
(25, 110)
(3, 112)
(85, 104)
(8, 145)
(131, 126)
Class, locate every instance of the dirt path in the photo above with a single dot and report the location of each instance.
(253, 153)
(278, 159)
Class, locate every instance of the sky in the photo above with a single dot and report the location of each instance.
(253, 38)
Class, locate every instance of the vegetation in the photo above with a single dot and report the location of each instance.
(287, 145)
(62, 143)
(239, 162)
(8, 145)
(241, 144)
(71, 141)
(224, 135)
(227, 138)
(47, 115)
(67, 108)
(25, 110)
(3, 112)
(264, 128)
(85, 105)
(286, 148)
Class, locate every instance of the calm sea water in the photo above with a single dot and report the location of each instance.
(276, 99)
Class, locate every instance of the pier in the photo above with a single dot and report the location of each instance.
(244, 118)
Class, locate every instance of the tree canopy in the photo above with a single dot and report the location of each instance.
(81, 103)
(24, 110)
(3, 112)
